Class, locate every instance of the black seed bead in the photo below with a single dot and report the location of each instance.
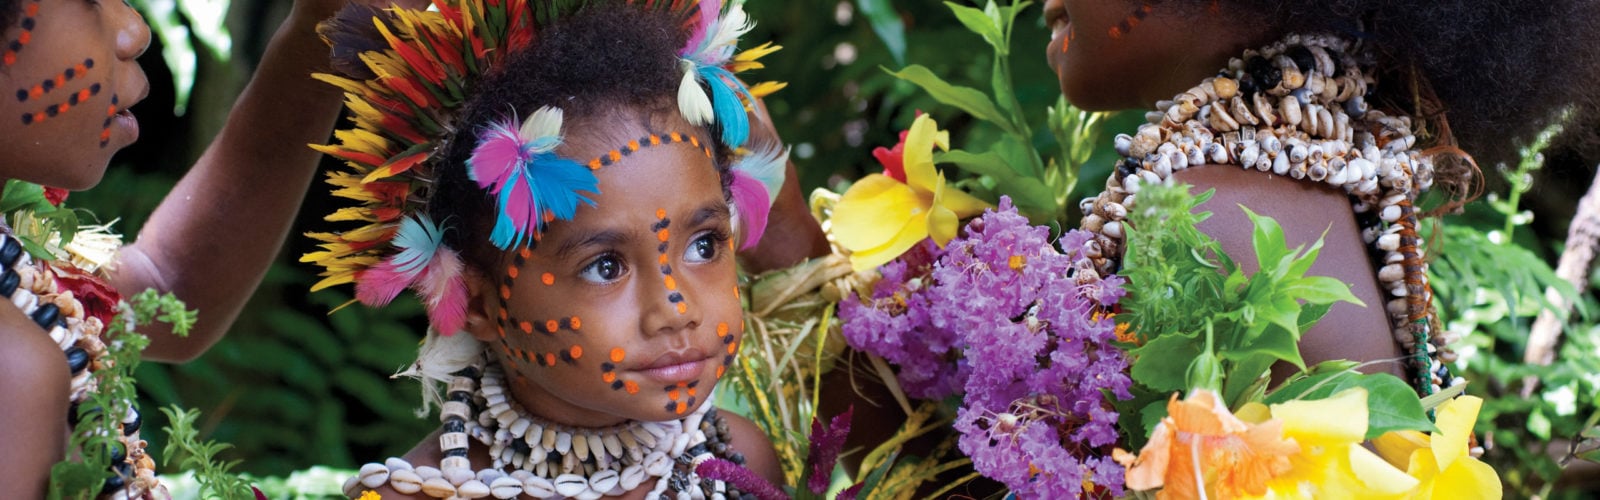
(719, 449)
(1127, 167)
(469, 372)
(459, 452)
(74, 416)
(748, 496)
(8, 283)
(113, 483)
(10, 251)
(1303, 59)
(1247, 87)
(553, 456)
(461, 397)
(695, 450)
(77, 359)
(117, 451)
(737, 458)
(520, 446)
(454, 424)
(128, 428)
(1265, 75)
(46, 316)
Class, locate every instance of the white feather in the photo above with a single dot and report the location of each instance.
(692, 99)
(439, 357)
(720, 44)
(766, 164)
(542, 129)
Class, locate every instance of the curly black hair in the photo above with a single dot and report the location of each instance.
(1490, 73)
(10, 11)
(607, 64)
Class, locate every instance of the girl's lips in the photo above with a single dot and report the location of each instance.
(674, 367)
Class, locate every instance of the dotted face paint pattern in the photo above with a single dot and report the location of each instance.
(662, 234)
(45, 87)
(55, 110)
(105, 129)
(1127, 23)
(29, 13)
(681, 396)
(729, 344)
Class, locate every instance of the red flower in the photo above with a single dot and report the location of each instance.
(99, 299)
(55, 195)
(892, 158)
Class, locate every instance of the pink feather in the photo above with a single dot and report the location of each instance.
(444, 294)
(750, 197)
(522, 209)
(709, 10)
(497, 156)
(380, 284)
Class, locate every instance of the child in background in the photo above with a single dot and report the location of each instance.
(71, 65)
(564, 186)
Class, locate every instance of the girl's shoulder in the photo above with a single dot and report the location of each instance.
(34, 381)
(750, 441)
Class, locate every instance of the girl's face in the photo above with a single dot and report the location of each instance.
(629, 310)
(69, 73)
(1119, 54)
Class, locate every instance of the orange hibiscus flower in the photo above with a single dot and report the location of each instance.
(1200, 444)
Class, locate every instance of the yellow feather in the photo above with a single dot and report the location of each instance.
(764, 89)
(351, 213)
(352, 87)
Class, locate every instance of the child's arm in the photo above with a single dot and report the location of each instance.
(213, 237)
(33, 421)
(759, 456)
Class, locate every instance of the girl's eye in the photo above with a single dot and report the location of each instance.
(606, 269)
(703, 248)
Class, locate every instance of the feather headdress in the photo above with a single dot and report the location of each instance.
(406, 75)
(757, 176)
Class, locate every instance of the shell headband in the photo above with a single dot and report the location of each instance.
(408, 91)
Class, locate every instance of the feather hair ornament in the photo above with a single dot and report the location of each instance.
(709, 49)
(757, 177)
(530, 183)
(422, 263)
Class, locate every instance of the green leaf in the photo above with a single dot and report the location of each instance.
(1306, 387)
(1392, 404)
(969, 100)
(1539, 424)
(1267, 239)
(1320, 290)
(19, 194)
(978, 22)
(1275, 342)
(887, 24)
(1156, 366)
(1246, 376)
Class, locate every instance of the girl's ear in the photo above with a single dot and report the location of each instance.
(481, 306)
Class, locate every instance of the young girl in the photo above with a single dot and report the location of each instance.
(70, 72)
(561, 185)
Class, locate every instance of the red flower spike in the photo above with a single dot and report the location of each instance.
(55, 195)
(99, 299)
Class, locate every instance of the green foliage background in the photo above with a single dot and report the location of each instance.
(292, 386)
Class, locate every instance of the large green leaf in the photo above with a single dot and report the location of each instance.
(1163, 361)
(886, 23)
(968, 99)
(980, 23)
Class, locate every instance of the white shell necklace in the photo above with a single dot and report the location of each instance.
(549, 460)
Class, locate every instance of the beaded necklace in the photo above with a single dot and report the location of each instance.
(33, 288)
(1297, 108)
(550, 460)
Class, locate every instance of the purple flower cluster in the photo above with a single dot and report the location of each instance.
(1017, 327)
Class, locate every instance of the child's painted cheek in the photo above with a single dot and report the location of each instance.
(663, 234)
(30, 13)
(730, 347)
(512, 324)
(682, 396)
(608, 372)
(1127, 23)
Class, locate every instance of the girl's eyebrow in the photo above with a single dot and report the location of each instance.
(589, 238)
(713, 211)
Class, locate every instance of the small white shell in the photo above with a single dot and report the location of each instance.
(473, 489)
(405, 481)
(505, 487)
(631, 477)
(426, 472)
(438, 488)
(538, 487)
(570, 485)
(604, 480)
(657, 464)
(397, 464)
(373, 475)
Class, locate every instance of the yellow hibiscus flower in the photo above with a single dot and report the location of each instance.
(1440, 463)
(1331, 463)
(880, 217)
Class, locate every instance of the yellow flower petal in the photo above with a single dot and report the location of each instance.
(1455, 420)
(1379, 477)
(918, 159)
(914, 232)
(964, 205)
(1397, 446)
(1467, 479)
(874, 211)
(1340, 419)
(1253, 413)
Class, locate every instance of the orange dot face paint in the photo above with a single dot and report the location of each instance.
(579, 331)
